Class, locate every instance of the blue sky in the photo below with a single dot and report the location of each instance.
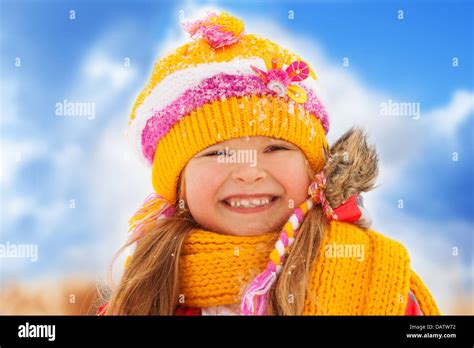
(64, 159)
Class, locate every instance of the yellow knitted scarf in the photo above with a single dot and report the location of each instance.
(357, 272)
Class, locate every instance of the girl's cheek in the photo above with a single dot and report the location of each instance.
(203, 180)
(290, 170)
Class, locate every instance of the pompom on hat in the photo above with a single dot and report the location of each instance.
(226, 84)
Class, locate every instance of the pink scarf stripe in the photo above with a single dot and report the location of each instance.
(220, 86)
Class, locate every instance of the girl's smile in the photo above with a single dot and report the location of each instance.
(249, 204)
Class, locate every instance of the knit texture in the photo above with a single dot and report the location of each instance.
(215, 269)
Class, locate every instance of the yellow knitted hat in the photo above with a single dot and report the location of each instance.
(222, 85)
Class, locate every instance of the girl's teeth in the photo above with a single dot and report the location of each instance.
(247, 204)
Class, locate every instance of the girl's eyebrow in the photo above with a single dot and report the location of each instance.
(210, 148)
(281, 142)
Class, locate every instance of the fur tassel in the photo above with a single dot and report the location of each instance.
(352, 167)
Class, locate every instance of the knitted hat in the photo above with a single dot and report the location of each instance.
(223, 85)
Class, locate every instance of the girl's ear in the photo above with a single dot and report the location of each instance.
(352, 167)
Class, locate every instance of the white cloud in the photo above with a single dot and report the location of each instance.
(104, 74)
(47, 215)
(14, 154)
(102, 78)
(449, 118)
(9, 102)
(17, 207)
(119, 185)
(100, 66)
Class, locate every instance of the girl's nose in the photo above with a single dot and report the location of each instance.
(245, 173)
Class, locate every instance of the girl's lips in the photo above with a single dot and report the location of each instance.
(250, 210)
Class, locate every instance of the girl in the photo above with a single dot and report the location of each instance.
(253, 213)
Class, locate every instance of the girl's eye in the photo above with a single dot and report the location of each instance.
(216, 153)
(276, 147)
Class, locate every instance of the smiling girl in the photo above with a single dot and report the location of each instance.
(241, 200)
(279, 229)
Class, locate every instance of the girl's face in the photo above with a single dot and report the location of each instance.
(246, 186)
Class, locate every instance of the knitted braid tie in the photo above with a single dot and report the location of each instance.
(154, 207)
(255, 298)
(316, 192)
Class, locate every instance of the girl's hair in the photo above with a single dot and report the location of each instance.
(150, 283)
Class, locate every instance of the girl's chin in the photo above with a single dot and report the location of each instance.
(246, 232)
(242, 228)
